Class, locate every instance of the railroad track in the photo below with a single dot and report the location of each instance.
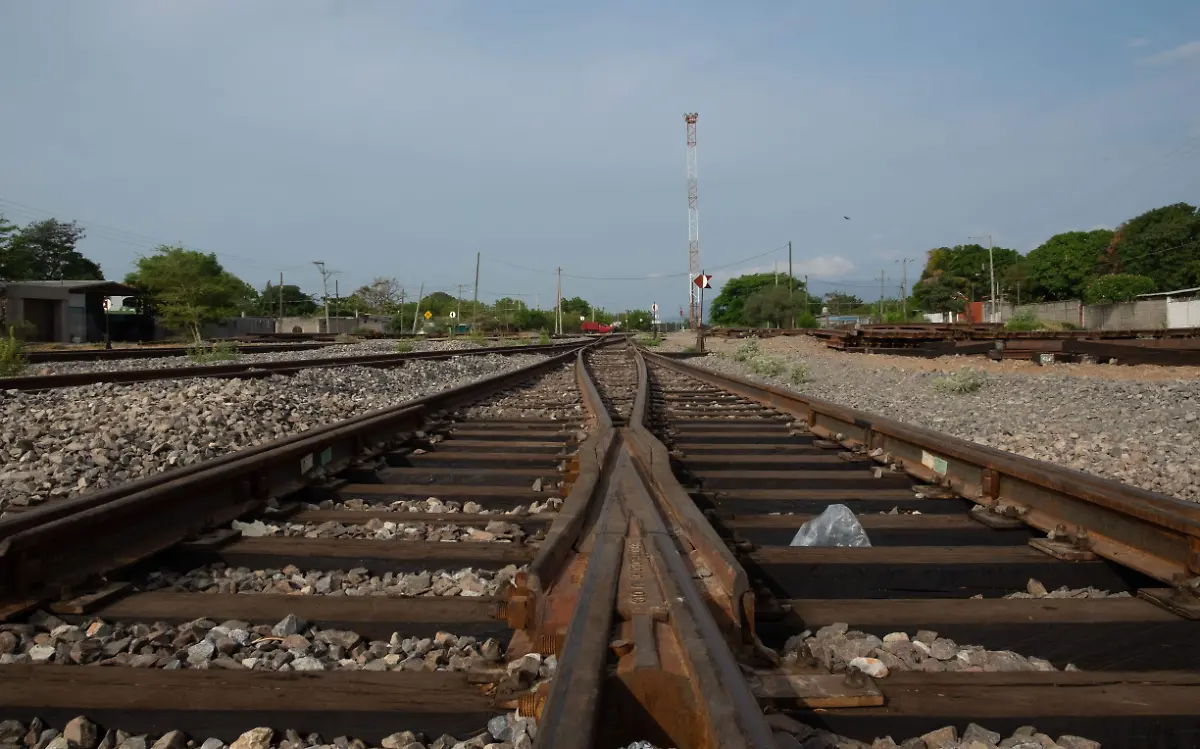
(153, 352)
(249, 370)
(640, 588)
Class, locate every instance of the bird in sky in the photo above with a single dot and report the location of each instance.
(846, 217)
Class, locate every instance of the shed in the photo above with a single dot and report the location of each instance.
(59, 311)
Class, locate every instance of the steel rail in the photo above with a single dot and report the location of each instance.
(67, 542)
(1149, 532)
(245, 370)
(43, 356)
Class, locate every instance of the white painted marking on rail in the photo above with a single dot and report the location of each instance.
(934, 463)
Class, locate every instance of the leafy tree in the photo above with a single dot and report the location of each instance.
(1061, 266)
(574, 307)
(1162, 244)
(381, 295)
(45, 251)
(840, 302)
(771, 304)
(295, 301)
(347, 306)
(187, 288)
(941, 294)
(728, 306)
(639, 319)
(1117, 287)
(969, 263)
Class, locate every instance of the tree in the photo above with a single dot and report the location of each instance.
(771, 304)
(969, 263)
(941, 294)
(381, 295)
(45, 251)
(187, 288)
(727, 307)
(639, 319)
(295, 301)
(347, 306)
(574, 307)
(840, 302)
(1117, 287)
(1162, 244)
(1061, 266)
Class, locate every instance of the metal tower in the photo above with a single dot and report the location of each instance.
(693, 187)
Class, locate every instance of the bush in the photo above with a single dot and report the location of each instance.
(806, 320)
(12, 355)
(798, 374)
(965, 380)
(476, 336)
(22, 331)
(403, 347)
(219, 351)
(544, 337)
(648, 341)
(1117, 287)
(1024, 321)
(345, 338)
(747, 350)
(766, 366)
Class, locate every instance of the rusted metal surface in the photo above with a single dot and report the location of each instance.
(68, 541)
(1152, 533)
(246, 370)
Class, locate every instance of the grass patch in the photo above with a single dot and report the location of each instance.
(965, 380)
(798, 374)
(403, 347)
(12, 355)
(747, 350)
(544, 337)
(1024, 321)
(219, 351)
(766, 366)
(648, 341)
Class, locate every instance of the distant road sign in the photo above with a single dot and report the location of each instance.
(703, 281)
(428, 314)
(106, 305)
(453, 315)
(654, 307)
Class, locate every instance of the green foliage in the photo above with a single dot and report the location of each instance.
(806, 320)
(544, 337)
(1150, 245)
(12, 355)
(799, 374)
(648, 341)
(728, 307)
(772, 305)
(574, 307)
(476, 336)
(188, 289)
(767, 366)
(639, 319)
(1118, 287)
(965, 380)
(1060, 267)
(841, 303)
(44, 251)
(295, 302)
(381, 296)
(941, 294)
(1024, 321)
(954, 274)
(747, 350)
(219, 351)
(403, 347)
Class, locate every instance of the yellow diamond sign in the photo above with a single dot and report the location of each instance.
(428, 314)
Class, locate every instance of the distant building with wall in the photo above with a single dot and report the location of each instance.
(66, 311)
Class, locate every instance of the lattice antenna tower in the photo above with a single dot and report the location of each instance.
(693, 188)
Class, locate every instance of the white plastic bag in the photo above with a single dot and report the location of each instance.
(837, 526)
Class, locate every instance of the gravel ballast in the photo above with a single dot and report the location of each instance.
(218, 578)
(1143, 433)
(433, 504)
(497, 531)
(62, 443)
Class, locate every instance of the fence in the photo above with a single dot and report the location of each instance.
(1183, 314)
(1144, 314)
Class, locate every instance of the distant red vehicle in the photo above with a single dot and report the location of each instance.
(595, 327)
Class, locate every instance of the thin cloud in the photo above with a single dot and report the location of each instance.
(1141, 41)
(1182, 53)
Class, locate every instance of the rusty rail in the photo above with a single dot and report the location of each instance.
(1151, 533)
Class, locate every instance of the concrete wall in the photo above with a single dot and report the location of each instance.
(1070, 311)
(237, 326)
(17, 293)
(1144, 314)
(1183, 313)
(337, 325)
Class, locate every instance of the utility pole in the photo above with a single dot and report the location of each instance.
(791, 282)
(417, 311)
(475, 299)
(991, 275)
(325, 289)
(337, 297)
(882, 279)
(693, 190)
(904, 261)
(805, 293)
(280, 301)
(558, 304)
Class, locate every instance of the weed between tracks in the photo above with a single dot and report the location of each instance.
(12, 355)
(220, 351)
(403, 347)
(965, 380)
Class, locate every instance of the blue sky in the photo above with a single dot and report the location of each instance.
(399, 139)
